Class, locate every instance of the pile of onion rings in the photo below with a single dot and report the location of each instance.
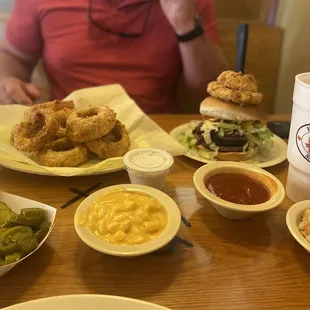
(62, 136)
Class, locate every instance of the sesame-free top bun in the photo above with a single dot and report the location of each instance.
(219, 109)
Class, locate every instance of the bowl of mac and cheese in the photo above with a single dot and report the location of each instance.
(127, 220)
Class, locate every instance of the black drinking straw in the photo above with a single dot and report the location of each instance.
(242, 43)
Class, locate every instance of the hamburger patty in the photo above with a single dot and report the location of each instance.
(233, 139)
(233, 142)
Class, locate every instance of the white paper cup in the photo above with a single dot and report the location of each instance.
(148, 166)
(298, 155)
(16, 203)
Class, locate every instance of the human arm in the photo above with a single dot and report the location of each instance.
(19, 54)
(202, 59)
(15, 71)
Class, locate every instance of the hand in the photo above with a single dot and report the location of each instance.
(180, 14)
(14, 91)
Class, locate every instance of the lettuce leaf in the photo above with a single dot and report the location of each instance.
(258, 135)
(207, 154)
(188, 139)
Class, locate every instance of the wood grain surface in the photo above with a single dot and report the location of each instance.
(214, 264)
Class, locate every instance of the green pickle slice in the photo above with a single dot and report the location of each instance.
(12, 258)
(33, 213)
(5, 217)
(12, 234)
(2, 230)
(26, 243)
(44, 229)
(8, 249)
(27, 221)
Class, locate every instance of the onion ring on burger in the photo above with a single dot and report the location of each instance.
(240, 97)
(38, 129)
(115, 144)
(90, 124)
(63, 153)
(238, 81)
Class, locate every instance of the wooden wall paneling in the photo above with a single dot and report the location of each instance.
(256, 11)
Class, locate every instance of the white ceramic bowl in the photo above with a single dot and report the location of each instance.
(293, 218)
(82, 302)
(93, 241)
(233, 210)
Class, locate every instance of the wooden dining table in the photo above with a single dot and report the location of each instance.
(213, 263)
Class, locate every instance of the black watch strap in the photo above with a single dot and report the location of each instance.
(195, 33)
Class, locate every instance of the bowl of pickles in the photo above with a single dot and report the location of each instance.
(24, 226)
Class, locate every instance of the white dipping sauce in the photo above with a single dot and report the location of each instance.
(147, 166)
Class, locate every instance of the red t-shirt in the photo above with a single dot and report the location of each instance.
(76, 54)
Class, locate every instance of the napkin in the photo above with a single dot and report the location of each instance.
(143, 132)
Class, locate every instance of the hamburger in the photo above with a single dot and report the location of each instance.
(232, 129)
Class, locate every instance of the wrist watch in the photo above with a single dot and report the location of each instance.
(195, 33)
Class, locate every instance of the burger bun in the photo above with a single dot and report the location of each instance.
(219, 109)
(236, 156)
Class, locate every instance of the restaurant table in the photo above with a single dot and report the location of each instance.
(214, 263)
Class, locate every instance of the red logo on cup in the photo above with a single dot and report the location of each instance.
(303, 141)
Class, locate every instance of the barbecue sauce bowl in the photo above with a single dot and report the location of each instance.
(238, 190)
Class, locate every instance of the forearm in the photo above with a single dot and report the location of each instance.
(202, 63)
(202, 60)
(11, 65)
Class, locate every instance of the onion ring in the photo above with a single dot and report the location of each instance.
(63, 153)
(240, 97)
(38, 129)
(55, 105)
(62, 116)
(90, 124)
(238, 81)
(58, 143)
(62, 108)
(115, 144)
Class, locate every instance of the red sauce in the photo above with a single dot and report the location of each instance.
(238, 188)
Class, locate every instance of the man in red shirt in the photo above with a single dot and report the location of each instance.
(144, 45)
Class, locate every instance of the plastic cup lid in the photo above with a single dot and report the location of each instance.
(148, 160)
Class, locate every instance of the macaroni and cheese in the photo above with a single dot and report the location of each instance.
(125, 217)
